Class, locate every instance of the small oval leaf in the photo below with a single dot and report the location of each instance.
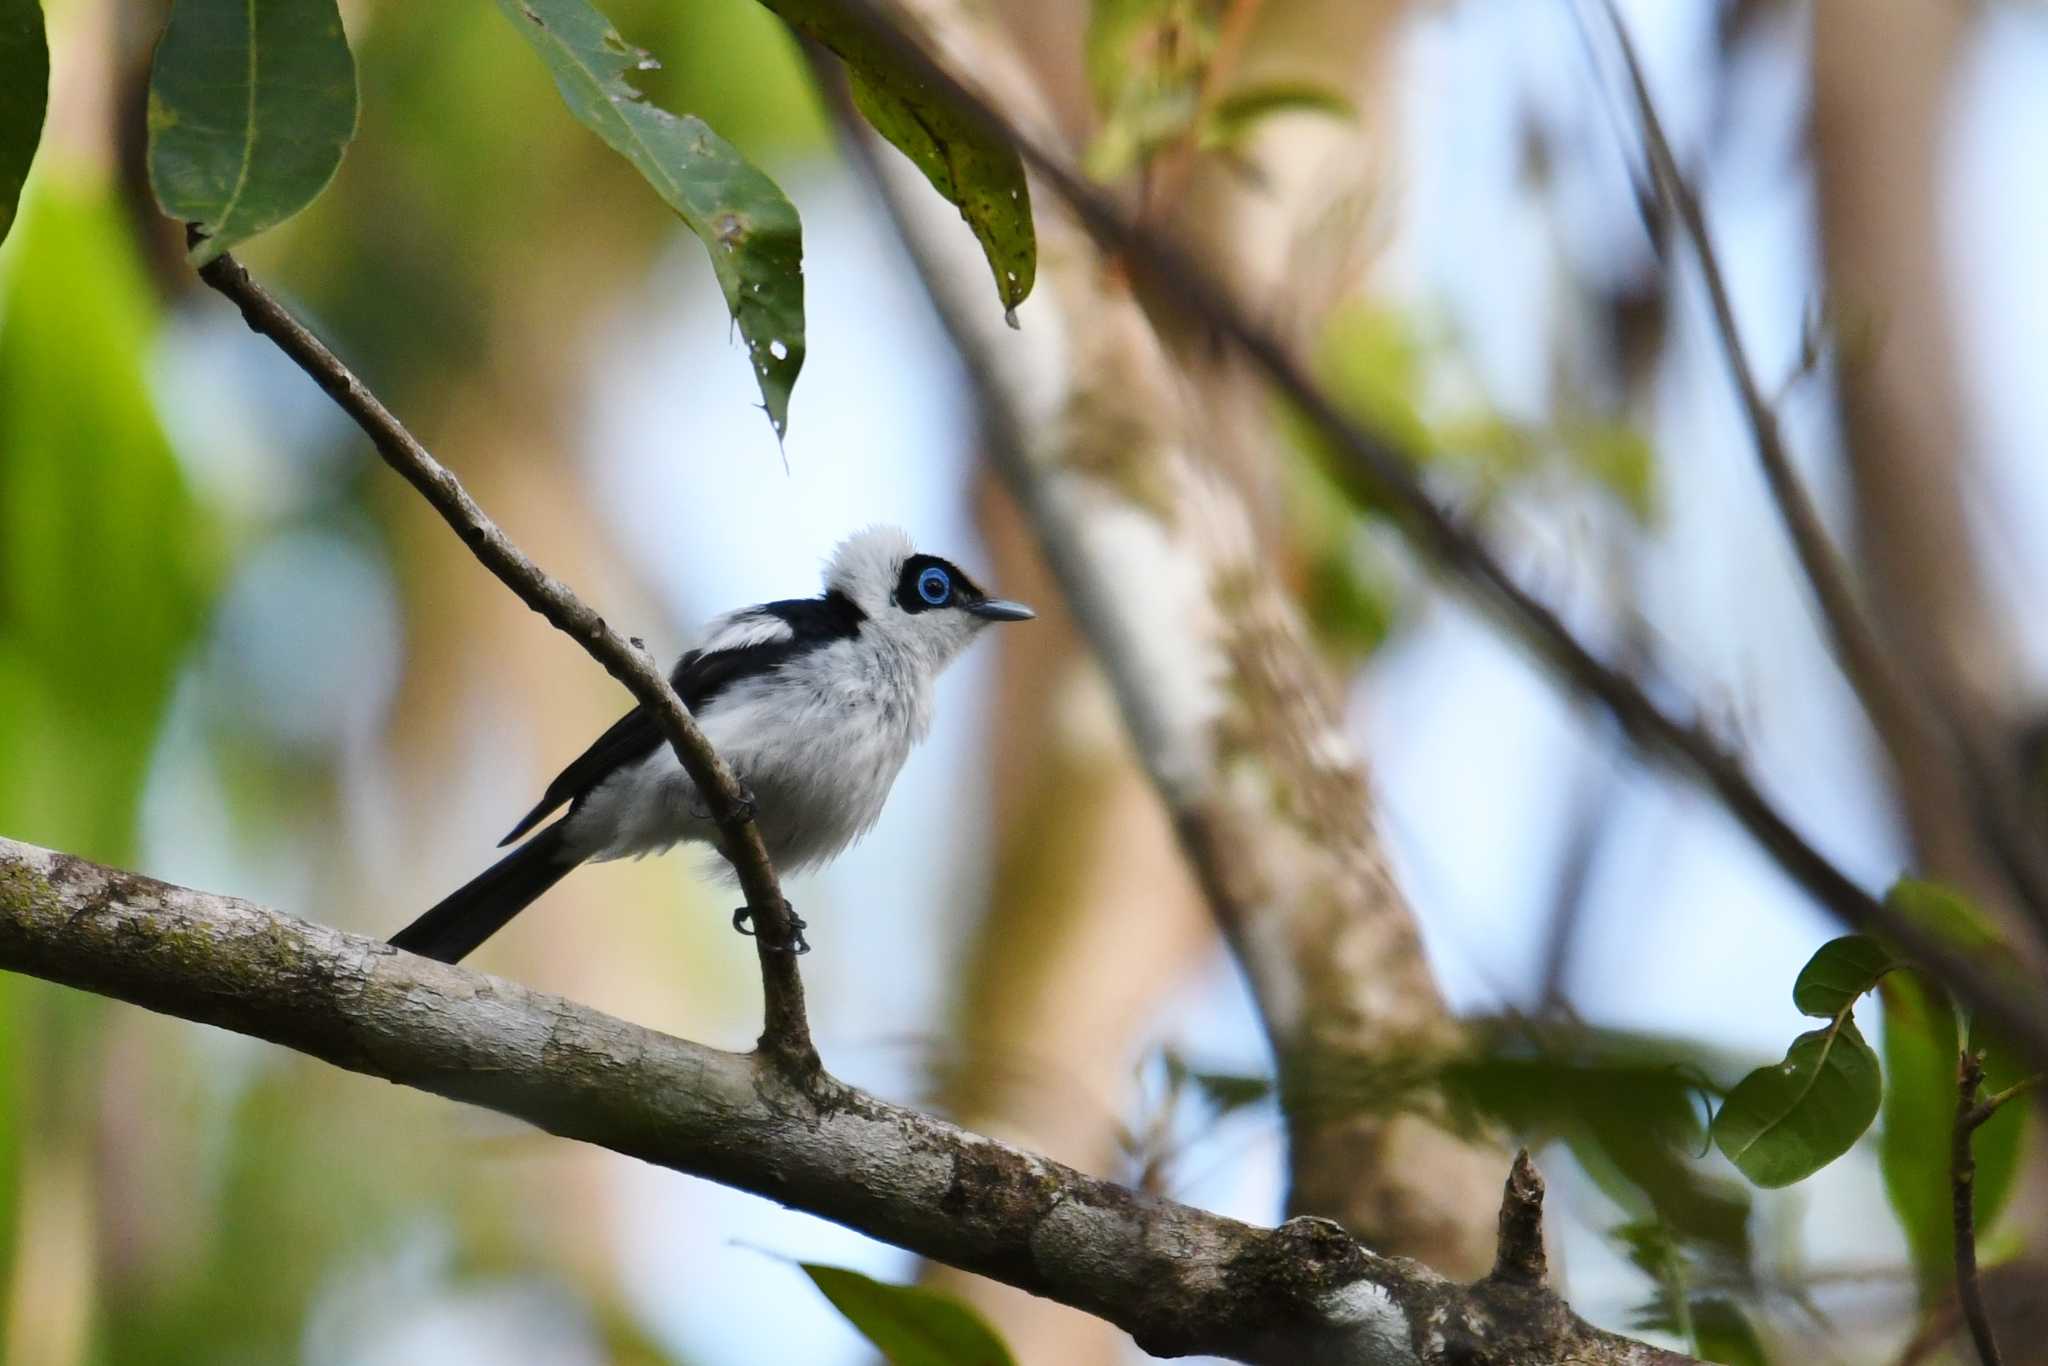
(1840, 971)
(1783, 1123)
(739, 213)
(979, 173)
(250, 105)
(24, 90)
(909, 1325)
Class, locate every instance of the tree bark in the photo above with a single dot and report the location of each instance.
(1178, 1279)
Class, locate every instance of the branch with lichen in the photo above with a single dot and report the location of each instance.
(1180, 1280)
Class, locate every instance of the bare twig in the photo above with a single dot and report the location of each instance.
(1963, 1180)
(785, 1033)
(1180, 1280)
(1368, 462)
(1905, 718)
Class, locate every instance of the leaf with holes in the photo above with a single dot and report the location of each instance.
(910, 1326)
(977, 171)
(1783, 1123)
(742, 217)
(1839, 972)
(250, 105)
(24, 89)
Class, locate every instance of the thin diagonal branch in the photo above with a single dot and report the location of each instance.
(1180, 1280)
(786, 1032)
(1906, 719)
(1367, 462)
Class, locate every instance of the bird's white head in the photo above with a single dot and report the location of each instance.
(922, 603)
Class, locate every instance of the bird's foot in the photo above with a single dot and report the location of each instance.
(742, 920)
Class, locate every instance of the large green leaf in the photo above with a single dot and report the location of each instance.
(1783, 1123)
(103, 573)
(1839, 972)
(908, 1325)
(24, 89)
(1920, 1050)
(743, 218)
(104, 563)
(250, 105)
(978, 172)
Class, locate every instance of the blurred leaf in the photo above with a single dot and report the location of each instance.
(24, 89)
(1630, 1113)
(1722, 1332)
(979, 173)
(1146, 60)
(1349, 610)
(250, 105)
(1942, 911)
(1839, 972)
(1783, 1123)
(103, 558)
(1238, 114)
(909, 1325)
(1619, 457)
(742, 217)
(1228, 1092)
(1920, 1053)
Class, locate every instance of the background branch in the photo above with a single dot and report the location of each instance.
(1180, 1280)
(1234, 718)
(1372, 465)
(785, 1030)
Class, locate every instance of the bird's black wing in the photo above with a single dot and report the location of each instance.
(698, 677)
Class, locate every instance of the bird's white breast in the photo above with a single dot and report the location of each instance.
(818, 742)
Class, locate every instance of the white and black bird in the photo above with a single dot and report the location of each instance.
(814, 702)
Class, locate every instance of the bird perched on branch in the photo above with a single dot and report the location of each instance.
(813, 702)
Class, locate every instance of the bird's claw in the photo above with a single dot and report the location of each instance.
(742, 920)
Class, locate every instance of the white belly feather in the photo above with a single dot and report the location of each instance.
(819, 744)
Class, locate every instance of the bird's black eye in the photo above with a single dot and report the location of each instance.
(935, 586)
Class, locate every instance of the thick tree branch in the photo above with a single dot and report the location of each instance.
(1373, 465)
(1178, 1279)
(785, 1032)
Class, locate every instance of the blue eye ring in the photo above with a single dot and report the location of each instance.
(935, 586)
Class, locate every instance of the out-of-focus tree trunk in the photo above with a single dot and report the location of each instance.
(1882, 79)
(1234, 715)
(1092, 921)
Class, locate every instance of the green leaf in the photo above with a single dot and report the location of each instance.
(742, 217)
(976, 171)
(105, 564)
(910, 1326)
(1722, 1332)
(250, 105)
(1839, 972)
(1920, 1050)
(1620, 458)
(1234, 117)
(24, 90)
(1783, 1123)
(1942, 911)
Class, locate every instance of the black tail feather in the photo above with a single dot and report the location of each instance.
(482, 906)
